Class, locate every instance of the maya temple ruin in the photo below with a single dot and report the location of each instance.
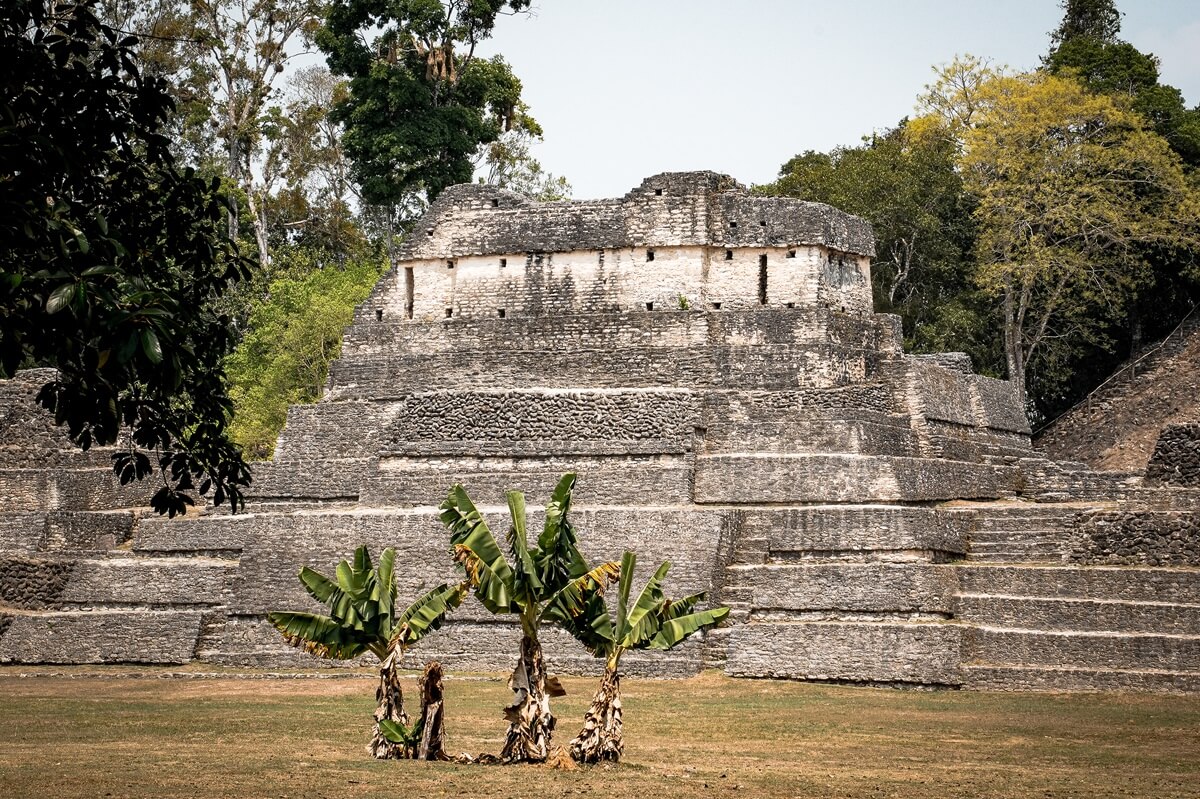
(709, 363)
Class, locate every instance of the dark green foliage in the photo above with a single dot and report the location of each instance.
(112, 256)
(1087, 45)
(1090, 19)
(909, 190)
(418, 110)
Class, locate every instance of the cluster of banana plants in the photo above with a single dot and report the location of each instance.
(541, 582)
(363, 618)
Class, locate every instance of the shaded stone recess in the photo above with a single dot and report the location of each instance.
(709, 364)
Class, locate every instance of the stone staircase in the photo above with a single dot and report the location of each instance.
(1060, 627)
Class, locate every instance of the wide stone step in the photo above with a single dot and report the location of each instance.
(861, 587)
(879, 653)
(991, 677)
(1078, 614)
(126, 636)
(150, 581)
(650, 479)
(749, 478)
(1096, 582)
(835, 530)
(1102, 650)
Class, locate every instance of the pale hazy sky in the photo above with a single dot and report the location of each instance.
(629, 88)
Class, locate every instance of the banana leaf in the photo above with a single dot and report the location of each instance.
(383, 590)
(318, 635)
(526, 585)
(643, 619)
(397, 733)
(571, 600)
(558, 557)
(683, 606)
(674, 631)
(318, 586)
(427, 614)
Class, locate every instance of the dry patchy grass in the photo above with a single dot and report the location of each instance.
(707, 736)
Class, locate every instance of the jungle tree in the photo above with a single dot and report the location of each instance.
(541, 580)
(363, 618)
(113, 256)
(651, 622)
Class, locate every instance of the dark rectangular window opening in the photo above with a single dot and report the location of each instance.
(600, 258)
(503, 262)
(528, 259)
(429, 232)
(495, 203)
(649, 255)
(500, 312)
(649, 306)
(449, 264)
(716, 306)
(408, 292)
(729, 255)
(762, 222)
(762, 280)
(449, 312)
(791, 254)
(733, 225)
(658, 192)
(378, 314)
(791, 305)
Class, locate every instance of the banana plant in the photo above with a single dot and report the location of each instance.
(651, 622)
(540, 580)
(363, 618)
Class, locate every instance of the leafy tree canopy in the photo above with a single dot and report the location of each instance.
(1070, 187)
(908, 188)
(420, 104)
(112, 256)
(1098, 20)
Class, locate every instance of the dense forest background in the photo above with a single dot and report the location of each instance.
(1046, 223)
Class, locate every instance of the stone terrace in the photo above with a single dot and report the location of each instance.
(709, 364)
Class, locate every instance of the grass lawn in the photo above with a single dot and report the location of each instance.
(707, 736)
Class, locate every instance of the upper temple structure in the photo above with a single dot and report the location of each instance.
(710, 364)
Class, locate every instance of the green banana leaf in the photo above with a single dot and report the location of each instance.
(427, 614)
(397, 733)
(383, 590)
(477, 550)
(674, 631)
(526, 585)
(558, 557)
(683, 606)
(318, 635)
(318, 586)
(643, 620)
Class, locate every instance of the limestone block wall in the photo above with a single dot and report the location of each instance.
(707, 362)
(1176, 458)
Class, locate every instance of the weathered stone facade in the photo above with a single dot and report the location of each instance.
(709, 363)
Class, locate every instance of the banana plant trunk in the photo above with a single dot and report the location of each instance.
(389, 706)
(530, 722)
(433, 730)
(602, 736)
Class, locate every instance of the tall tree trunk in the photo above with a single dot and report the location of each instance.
(389, 706)
(1013, 349)
(602, 736)
(530, 722)
(433, 729)
(260, 228)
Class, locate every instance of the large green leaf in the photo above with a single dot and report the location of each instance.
(628, 562)
(526, 584)
(383, 590)
(571, 599)
(318, 586)
(476, 549)
(318, 635)
(674, 631)
(427, 614)
(558, 556)
(397, 733)
(683, 606)
(643, 619)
